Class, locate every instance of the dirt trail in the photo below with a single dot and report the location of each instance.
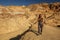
(49, 33)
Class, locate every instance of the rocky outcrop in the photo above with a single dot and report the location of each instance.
(14, 18)
(50, 12)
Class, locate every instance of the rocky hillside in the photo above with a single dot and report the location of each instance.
(50, 12)
(14, 18)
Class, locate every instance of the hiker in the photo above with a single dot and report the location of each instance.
(40, 24)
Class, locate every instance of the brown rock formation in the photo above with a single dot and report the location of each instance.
(14, 18)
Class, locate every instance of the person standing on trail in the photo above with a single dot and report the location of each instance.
(40, 24)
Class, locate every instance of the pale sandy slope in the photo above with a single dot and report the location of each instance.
(49, 33)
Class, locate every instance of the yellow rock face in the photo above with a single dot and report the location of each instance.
(13, 18)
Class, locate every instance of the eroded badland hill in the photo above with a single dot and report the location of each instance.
(16, 20)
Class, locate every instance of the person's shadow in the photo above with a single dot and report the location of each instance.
(16, 38)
